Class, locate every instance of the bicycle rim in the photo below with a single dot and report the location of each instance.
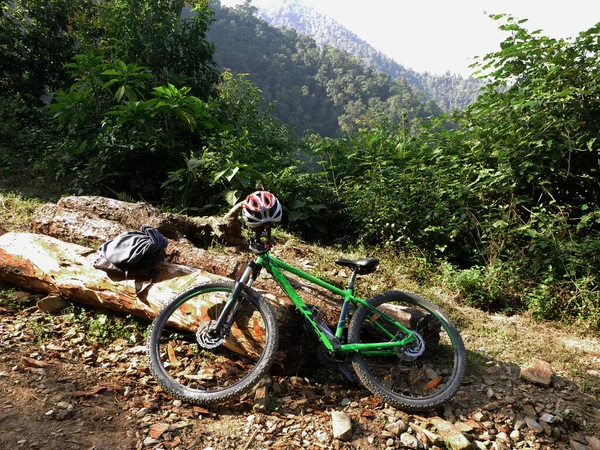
(420, 376)
(198, 368)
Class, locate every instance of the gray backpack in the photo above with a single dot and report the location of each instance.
(134, 253)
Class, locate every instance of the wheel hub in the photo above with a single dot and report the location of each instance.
(413, 349)
(206, 336)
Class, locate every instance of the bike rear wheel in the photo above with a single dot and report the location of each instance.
(421, 375)
(199, 367)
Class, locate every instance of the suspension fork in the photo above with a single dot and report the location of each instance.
(233, 305)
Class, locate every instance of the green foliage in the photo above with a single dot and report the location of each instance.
(234, 158)
(101, 328)
(508, 194)
(125, 132)
(17, 305)
(166, 37)
(34, 46)
(538, 124)
(505, 195)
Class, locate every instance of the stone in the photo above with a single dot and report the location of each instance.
(345, 401)
(341, 425)
(261, 399)
(547, 428)
(157, 429)
(533, 425)
(464, 427)
(396, 428)
(409, 441)
(593, 443)
(492, 406)
(453, 437)
(548, 418)
(577, 445)
(502, 437)
(150, 441)
(538, 372)
(52, 304)
(478, 445)
(426, 436)
(478, 416)
(529, 411)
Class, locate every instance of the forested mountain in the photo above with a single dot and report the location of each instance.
(449, 91)
(313, 88)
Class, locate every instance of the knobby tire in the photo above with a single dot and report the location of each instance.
(201, 375)
(424, 375)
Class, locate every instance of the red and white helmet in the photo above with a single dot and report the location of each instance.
(260, 208)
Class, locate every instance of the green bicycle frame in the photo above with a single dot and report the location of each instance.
(275, 266)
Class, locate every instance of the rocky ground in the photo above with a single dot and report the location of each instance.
(66, 388)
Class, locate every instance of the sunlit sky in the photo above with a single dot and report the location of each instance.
(444, 35)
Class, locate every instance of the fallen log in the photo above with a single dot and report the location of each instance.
(93, 220)
(44, 264)
(103, 218)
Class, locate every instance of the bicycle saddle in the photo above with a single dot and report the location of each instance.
(362, 266)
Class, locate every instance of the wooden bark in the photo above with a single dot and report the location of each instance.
(44, 264)
(94, 220)
(107, 217)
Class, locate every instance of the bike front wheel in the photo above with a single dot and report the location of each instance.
(199, 366)
(420, 375)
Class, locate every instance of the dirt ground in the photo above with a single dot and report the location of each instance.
(60, 391)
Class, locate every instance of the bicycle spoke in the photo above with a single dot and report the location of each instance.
(420, 375)
(195, 363)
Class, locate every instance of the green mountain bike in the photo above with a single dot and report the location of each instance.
(216, 340)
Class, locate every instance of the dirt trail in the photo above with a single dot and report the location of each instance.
(59, 390)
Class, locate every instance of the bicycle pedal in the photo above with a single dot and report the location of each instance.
(328, 359)
(347, 373)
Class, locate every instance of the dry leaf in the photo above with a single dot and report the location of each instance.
(171, 353)
(433, 383)
(34, 362)
(90, 393)
(258, 332)
(158, 429)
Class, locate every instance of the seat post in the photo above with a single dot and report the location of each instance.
(352, 279)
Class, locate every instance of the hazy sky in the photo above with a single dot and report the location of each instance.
(437, 36)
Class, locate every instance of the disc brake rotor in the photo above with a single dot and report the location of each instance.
(204, 338)
(412, 350)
